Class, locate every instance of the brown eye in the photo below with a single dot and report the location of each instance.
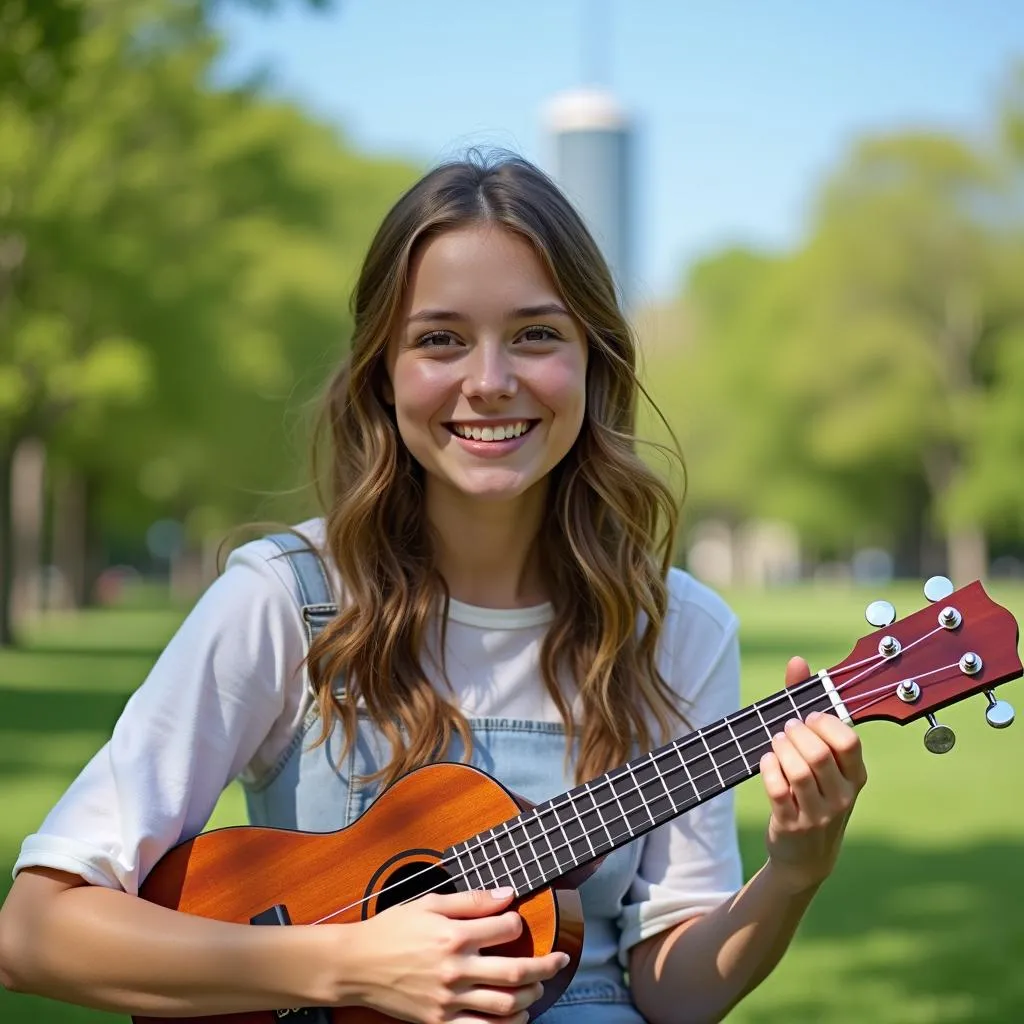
(436, 339)
(539, 334)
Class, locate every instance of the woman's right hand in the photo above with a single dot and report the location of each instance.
(422, 961)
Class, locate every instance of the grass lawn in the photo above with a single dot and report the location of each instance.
(923, 920)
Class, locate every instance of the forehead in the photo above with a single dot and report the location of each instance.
(477, 267)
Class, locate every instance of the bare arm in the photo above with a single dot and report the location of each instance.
(98, 947)
(103, 948)
(701, 969)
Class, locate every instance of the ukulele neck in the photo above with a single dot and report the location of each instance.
(569, 831)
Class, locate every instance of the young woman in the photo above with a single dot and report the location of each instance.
(493, 583)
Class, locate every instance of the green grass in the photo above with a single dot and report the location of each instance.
(923, 920)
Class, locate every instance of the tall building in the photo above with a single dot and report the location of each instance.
(591, 140)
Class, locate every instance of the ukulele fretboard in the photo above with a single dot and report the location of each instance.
(551, 839)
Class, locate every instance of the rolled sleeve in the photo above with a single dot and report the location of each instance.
(192, 726)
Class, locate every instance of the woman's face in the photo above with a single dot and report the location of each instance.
(486, 368)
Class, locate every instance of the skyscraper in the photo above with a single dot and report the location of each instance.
(592, 153)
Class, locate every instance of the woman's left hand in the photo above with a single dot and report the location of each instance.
(813, 777)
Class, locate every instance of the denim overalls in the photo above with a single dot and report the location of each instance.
(311, 790)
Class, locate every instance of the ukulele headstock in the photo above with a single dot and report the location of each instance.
(961, 644)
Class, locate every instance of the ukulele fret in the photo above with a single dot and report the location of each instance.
(466, 872)
(597, 817)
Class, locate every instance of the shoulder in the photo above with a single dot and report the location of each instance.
(695, 607)
(266, 558)
(701, 632)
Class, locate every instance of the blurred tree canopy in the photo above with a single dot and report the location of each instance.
(869, 387)
(175, 263)
(38, 41)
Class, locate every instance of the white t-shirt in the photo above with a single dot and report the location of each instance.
(227, 694)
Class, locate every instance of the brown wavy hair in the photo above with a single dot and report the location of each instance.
(608, 535)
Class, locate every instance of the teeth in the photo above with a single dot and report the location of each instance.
(501, 433)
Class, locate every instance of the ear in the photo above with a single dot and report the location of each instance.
(387, 390)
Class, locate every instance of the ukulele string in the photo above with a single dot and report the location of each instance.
(865, 700)
(872, 662)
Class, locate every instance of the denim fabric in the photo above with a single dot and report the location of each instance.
(316, 789)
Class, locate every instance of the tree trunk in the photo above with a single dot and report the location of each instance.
(6, 550)
(28, 506)
(69, 538)
(96, 554)
(967, 552)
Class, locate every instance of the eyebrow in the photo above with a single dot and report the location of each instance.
(522, 313)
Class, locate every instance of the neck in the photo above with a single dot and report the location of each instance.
(486, 550)
(569, 831)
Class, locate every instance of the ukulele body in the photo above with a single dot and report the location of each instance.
(243, 873)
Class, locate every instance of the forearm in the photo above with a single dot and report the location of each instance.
(698, 971)
(105, 949)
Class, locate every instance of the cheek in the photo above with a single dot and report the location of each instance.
(420, 391)
(563, 387)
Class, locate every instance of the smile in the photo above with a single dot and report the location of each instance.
(491, 432)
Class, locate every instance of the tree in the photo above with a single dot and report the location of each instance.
(863, 387)
(39, 40)
(177, 263)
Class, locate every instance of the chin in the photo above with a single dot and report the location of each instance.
(493, 490)
(493, 494)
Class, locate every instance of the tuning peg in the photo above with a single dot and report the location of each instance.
(880, 614)
(939, 739)
(999, 713)
(938, 588)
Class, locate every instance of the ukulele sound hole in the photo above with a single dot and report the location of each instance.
(412, 879)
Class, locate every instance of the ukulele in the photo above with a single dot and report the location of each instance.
(478, 835)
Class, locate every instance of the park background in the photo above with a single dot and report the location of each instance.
(829, 295)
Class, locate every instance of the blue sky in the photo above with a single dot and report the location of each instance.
(741, 106)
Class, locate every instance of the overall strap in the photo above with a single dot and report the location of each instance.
(318, 604)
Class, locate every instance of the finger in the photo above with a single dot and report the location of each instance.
(520, 1018)
(501, 1002)
(514, 971)
(465, 905)
(784, 807)
(844, 743)
(797, 671)
(491, 931)
(818, 755)
(798, 773)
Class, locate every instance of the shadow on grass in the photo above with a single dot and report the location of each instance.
(901, 932)
(150, 651)
(54, 730)
(933, 926)
(57, 710)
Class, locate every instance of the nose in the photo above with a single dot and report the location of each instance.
(490, 373)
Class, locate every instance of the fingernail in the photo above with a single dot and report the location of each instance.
(502, 892)
(564, 962)
(792, 723)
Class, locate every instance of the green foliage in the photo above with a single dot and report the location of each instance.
(39, 41)
(180, 261)
(866, 386)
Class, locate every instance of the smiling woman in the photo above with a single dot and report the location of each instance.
(490, 582)
(487, 345)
